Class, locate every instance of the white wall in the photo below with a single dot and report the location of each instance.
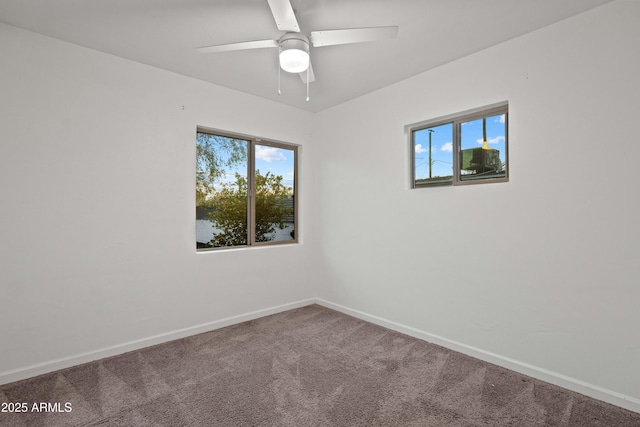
(97, 175)
(539, 272)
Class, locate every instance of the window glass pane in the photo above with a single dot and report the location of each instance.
(275, 198)
(483, 148)
(221, 191)
(433, 155)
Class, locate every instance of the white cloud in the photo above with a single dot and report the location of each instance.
(270, 154)
(495, 140)
(447, 146)
(500, 119)
(420, 149)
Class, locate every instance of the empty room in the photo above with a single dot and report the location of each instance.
(319, 213)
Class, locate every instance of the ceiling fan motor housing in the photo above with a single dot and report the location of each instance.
(294, 52)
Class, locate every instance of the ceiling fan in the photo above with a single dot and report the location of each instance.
(294, 53)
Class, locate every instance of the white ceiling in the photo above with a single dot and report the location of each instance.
(164, 33)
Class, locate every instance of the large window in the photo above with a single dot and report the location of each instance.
(245, 191)
(460, 149)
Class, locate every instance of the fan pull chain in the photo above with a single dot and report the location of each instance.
(308, 82)
(279, 93)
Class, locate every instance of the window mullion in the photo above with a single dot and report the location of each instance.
(456, 152)
(251, 192)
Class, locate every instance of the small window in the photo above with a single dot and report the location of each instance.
(245, 191)
(465, 148)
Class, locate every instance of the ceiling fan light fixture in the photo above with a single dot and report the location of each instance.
(294, 53)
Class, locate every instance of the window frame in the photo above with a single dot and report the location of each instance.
(254, 141)
(456, 121)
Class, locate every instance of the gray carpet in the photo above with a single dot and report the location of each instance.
(306, 367)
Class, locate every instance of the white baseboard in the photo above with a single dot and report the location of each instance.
(555, 378)
(67, 362)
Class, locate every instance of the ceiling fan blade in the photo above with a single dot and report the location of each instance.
(354, 35)
(303, 75)
(258, 44)
(284, 16)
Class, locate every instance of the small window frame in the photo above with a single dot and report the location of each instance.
(456, 120)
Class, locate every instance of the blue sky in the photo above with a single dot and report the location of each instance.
(441, 151)
(277, 161)
(442, 144)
